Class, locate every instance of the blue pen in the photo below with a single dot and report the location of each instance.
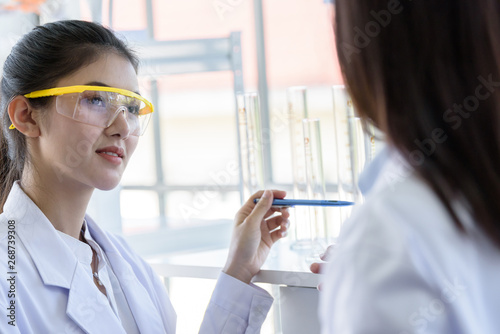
(308, 202)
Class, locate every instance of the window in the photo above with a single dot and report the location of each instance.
(185, 175)
(181, 188)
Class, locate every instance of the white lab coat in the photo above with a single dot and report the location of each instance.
(54, 292)
(401, 266)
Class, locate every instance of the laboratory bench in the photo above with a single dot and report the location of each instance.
(294, 287)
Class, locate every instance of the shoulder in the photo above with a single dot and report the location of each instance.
(115, 244)
(401, 208)
(402, 248)
(400, 212)
(109, 241)
(391, 252)
(126, 251)
(403, 231)
(119, 242)
(145, 274)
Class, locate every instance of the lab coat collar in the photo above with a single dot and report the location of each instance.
(137, 296)
(52, 257)
(58, 266)
(387, 163)
(89, 308)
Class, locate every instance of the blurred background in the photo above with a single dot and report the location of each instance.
(182, 187)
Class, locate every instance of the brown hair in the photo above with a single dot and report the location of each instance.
(427, 73)
(38, 61)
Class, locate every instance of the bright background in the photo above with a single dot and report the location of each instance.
(197, 118)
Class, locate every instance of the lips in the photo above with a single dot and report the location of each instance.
(113, 151)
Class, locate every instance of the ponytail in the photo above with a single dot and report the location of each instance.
(12, 153)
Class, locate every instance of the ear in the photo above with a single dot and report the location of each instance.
(22, 116)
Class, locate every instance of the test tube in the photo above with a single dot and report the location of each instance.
(374, 142)
(316, 189)
(250, 142)
(358, 149)
(357, 144)
(243, 146)
(301, 237)
(297, 111)
(343, 114)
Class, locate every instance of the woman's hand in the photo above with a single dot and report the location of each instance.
(252, 237)
(318, 267)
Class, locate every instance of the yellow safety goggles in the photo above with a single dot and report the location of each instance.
(99, 105)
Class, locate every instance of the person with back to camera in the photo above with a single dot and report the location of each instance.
(422, 254)
(71, 86)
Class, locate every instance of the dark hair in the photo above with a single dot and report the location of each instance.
(38, 61)
(427, 73)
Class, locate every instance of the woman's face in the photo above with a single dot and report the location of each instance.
(79, 154)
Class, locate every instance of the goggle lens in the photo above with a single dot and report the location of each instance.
(101, 108)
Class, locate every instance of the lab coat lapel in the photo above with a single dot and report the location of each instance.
(58, 266)
(89, 308)
(137, 296)
(52, 258)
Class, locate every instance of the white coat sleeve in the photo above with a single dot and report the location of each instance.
(235, 307)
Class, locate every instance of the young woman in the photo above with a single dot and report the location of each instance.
(70, 88)
(422, 255)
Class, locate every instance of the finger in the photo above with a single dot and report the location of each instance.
(278, 193)
(248, 207)
(328, 253)
(272, 211)
(273, 222)
(260, 193)
(278, 234)
(276, 222)
(285, 213)
(315, 267)
(262, 207)
(283, 210)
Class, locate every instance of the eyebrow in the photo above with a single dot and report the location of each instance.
(98, 83)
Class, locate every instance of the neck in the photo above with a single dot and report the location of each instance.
(63, 203)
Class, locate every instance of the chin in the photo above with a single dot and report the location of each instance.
(107, 188)
(108, 184)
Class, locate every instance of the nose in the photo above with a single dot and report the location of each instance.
(119, 126)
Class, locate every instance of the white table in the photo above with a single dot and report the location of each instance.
(288, 270)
